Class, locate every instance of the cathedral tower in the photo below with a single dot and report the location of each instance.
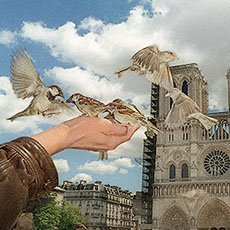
(191, 188)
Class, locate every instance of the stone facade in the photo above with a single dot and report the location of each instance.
(192, 186)
(102, 206)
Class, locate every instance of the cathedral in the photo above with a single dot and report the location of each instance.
(191, 188)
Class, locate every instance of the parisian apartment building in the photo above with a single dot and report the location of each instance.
(102, 206)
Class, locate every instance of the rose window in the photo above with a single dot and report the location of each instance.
(217, 163)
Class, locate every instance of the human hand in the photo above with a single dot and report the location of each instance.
(96, 134)
(89, 133)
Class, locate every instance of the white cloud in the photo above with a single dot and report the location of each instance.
(91, 24)
(108, 167)
(61, 165)
(81, 176)
(123, 171)
(123, 163)
(7, 37)
(99, 167)
(195, 35)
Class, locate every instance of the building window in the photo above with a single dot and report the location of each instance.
(217, 162)
(172, 172)
(171, 137)
(184, 171)
(185, 87)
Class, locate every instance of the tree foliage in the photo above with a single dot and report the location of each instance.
(57, 215)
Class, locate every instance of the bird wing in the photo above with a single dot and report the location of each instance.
(148, 58)
(26, 81)
(181, 109)
(62, 107)
(128, 104)
(163, 77)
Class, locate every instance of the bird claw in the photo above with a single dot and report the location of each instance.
(50, 112)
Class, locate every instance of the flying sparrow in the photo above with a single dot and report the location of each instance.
(26, 82)
(183, 109)
(89, 107)
(152, 63)
(128, 115)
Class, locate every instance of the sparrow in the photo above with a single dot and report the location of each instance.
(128, 104)
(152, 63)
(88, 107)
(26, 83)
(128, 114)
(183, 109)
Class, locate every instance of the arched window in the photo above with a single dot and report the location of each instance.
(185, 87)
(184, 171)
(172, 172)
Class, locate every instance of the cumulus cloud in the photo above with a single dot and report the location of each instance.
(81, 176)
(61, 165)
(123, 171)
(99, 167)
(123, 163)
(7, 37)
(108, 167)
(195, 35)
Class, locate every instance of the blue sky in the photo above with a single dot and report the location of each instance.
(79, 44)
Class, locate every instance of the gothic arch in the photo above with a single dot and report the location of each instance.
(215, 213)
(175, 218)
(184, 78)
(184, 87)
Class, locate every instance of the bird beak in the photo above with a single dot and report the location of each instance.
(175, 57)
(69, 100)
(61, 94)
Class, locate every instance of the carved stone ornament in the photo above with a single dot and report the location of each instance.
(177, 156)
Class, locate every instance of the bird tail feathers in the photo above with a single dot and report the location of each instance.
(20, 114)
(206, 121)
(122, 72)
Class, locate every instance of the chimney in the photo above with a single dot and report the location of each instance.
(228, 80)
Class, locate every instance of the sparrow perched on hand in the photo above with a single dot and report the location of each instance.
(123, 113)
(86, 105)
(26, 82)
(183, 109)
(89, 107)
(152, 63)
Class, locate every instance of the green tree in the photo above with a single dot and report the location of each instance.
(57, 216)
(70, 215)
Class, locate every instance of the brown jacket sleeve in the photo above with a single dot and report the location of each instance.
(26, 172)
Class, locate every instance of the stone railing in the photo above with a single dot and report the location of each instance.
(163, 190)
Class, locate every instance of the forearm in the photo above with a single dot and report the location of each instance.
(53, 139)
(89, 133)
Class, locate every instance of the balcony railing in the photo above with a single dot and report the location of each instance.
(164, 190)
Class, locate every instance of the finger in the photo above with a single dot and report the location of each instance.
(131, 130)
(115, 129)
(115, 141)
